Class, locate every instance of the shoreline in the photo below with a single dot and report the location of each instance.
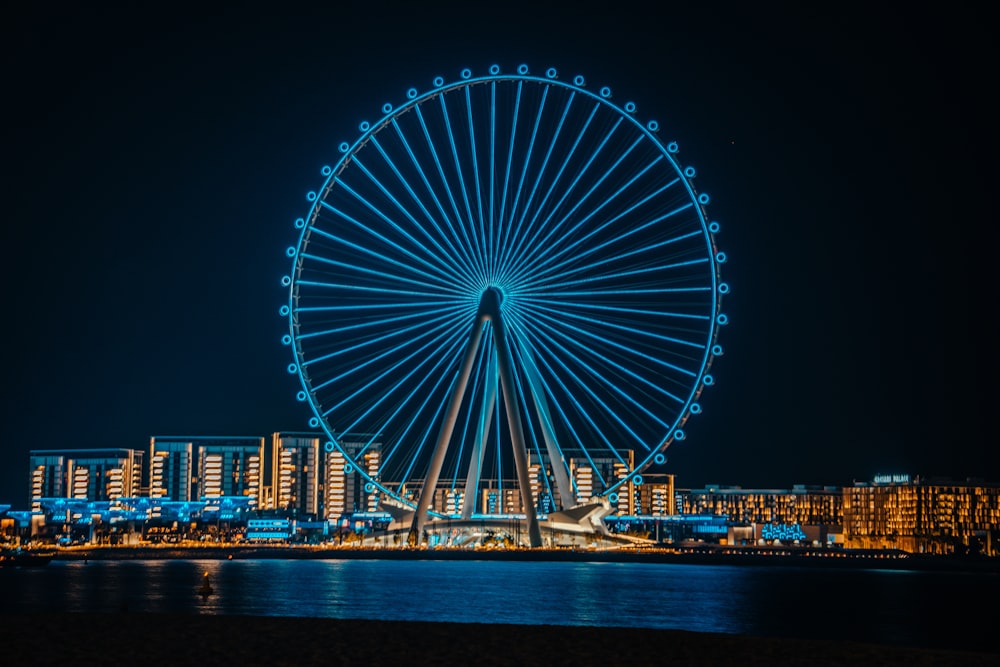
(701, 556)
(172, 639)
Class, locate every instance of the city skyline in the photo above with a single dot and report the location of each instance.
(215, 489)
(177, 468)
(155, 176)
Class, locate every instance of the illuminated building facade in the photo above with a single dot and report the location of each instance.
(500, 499)
(802, 505)
(230, 467)
(544, 488)
(171, 462)
(592, 477)
(185, 468)
(657, 496)
(345, 489)
(221, 477)
(297, 472)
(84, 474)
(936, 516)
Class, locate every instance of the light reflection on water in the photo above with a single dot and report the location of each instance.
(910, 608)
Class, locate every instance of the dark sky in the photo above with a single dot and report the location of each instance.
(154, 163)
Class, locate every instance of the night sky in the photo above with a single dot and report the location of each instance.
(154, 164)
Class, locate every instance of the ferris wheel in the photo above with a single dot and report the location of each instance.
(501, 274)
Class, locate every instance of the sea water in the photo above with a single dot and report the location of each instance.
(910, 608)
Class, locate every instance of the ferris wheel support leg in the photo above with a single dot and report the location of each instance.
(444, 437)
(560, 467)
(491, 306)
(516, 435)
(469, 498)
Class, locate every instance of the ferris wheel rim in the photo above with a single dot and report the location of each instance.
(627, 112)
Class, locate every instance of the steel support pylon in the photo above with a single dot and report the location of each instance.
(489, 311)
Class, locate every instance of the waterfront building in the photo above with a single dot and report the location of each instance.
(347, 489)
(500, 498)
(933, 515)
(803, 505)
(657, 495)
(296, 473)
(544, 485)
(186, 468)
(230, 467)
(802, 514)
(171, 464)
(591, 477)
(212, 480)
(624, 501)
(84, 474)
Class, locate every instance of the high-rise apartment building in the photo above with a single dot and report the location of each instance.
(84, 474)
(171, 463)
(593, 476)
(922, 515)
(346, 489)
(657, 496)
(296, 472)
(803, 505)
(186, 468)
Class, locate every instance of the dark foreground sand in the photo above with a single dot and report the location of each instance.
(150, 640)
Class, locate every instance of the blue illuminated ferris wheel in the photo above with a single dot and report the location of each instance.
(504, 274)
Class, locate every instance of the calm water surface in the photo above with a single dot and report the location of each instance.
(932, 609)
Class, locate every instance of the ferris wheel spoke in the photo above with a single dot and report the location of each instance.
(447, 313)
(352, 287)
(575, 252)
(471, 417)
(527, 162)
(572, 186)
(574, 265)
(531, 259)
(502, 217)
(464, 242)
(384, 240)
(429, 434)
(452, 239)
(534, 438)
(420, 353)
(440, 254)
(609, 367)
(566, 161)
(380, 339)
(607, 363)
(382, 276)
(403, 438)
(528, 230)
(490, 255)
(629, 312)
(482, 243)
(568, 420)
(643, 272)
(588, 390)
(461, 186)
(452, 251)
(566, 310)
(603, 340)
(643, 250)
(379, 326)
(623, 291)
(420, 389)
(399, 305)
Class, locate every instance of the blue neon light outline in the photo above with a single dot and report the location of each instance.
(415, 98)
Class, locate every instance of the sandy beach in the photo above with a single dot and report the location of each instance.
(151, 640)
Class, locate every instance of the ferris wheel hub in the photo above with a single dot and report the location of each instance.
(489, 303)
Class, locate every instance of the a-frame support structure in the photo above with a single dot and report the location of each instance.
(489, 311)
